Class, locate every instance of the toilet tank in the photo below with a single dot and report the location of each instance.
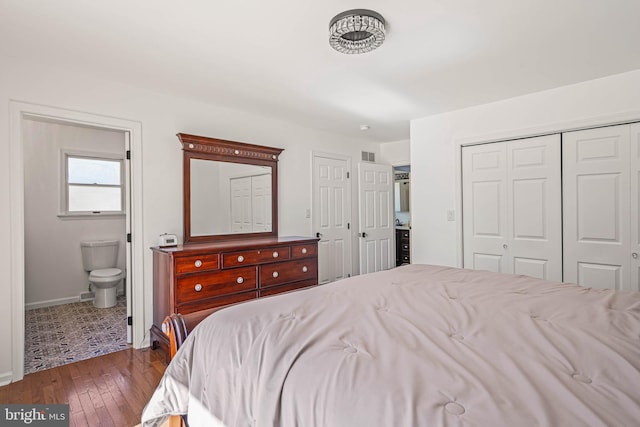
(100, 254)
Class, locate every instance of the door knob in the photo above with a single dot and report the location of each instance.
(505, 246)
(318, 235)
(634, 255)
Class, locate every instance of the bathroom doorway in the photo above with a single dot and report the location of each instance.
(76, 189)
(402, 209)
(19, 111)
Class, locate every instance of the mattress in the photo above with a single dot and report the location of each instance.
(417, 345)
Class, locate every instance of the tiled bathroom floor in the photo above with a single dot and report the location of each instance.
(68, 333)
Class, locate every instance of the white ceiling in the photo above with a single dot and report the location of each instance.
(273, 57)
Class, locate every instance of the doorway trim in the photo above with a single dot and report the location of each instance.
(17, 112)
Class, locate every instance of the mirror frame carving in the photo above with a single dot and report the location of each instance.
(204, 148)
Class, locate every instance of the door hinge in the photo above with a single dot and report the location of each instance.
(128, 154)
(347, 175)
(128, 237)
(130, 320)
(348, 226)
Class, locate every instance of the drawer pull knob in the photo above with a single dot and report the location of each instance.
(198, 263)
(240, 258)
(275, 254)
(240, 280)
(198, 287)
(305, 269)
(275, 274)
(304, 250)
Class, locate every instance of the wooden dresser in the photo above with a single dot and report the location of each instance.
(197, 279)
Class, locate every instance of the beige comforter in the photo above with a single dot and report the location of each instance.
(413, 346)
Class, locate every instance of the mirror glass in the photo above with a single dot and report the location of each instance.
(229, 198)
(402, 195)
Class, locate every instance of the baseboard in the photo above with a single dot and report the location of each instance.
(51, 303)
(5, 378)
(68, 300)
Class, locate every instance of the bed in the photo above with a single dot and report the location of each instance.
(417, 345)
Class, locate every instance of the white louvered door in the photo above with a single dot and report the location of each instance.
(512, 207)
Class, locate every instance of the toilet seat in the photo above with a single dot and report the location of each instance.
(105, 275)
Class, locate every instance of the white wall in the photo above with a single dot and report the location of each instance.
(53, 267)
(436, 141)
(161, 117)
(397, 153)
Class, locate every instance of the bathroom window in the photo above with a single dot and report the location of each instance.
(93, 185)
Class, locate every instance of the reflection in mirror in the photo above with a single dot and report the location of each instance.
(228, 198)
(402, 195)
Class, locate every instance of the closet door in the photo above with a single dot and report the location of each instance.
(512, 207)
(534, 207)
(597, 228)
(484, 208)
(261, 202)
(241, 211)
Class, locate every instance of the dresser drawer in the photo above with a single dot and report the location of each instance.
(213, 303)
(255, 256)
(274, 290)
(285, 272)
(303, 251)
(192, 264)
(200, 286)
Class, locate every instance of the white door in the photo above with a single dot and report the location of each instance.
(635, 207)
(377, 229)
(484, 207)
(128, 291)
(261, 202)
(512, 218)
(241, 211)
(596, 189)
(331, 216)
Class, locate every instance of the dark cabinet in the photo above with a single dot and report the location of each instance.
(403, 247)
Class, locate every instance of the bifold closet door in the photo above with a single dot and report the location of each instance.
(512, 215)
(600, 176)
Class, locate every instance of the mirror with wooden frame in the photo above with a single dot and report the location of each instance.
(230, 189)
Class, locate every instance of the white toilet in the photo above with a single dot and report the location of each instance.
(100, 259)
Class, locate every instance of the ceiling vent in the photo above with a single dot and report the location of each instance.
(368, 157)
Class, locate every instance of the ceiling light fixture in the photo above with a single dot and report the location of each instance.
(356, 31)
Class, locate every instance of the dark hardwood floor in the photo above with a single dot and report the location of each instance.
(109, 390)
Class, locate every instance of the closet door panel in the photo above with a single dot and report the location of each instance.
(535, 206)
(484, 207)
(596, 203)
